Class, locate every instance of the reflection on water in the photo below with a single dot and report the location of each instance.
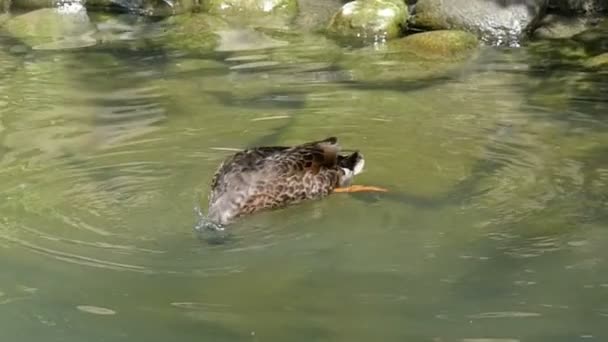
(493, 229)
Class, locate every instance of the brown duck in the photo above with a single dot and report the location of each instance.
(277, 176)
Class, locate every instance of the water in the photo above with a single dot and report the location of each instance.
(493, 230)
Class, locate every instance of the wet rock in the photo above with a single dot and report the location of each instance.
(50, 28)
(441, 44)
(497, 22)
(579, 6)
(555, 26)
(370, 20)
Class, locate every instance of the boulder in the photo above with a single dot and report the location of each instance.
(370, 20)
(503, 22)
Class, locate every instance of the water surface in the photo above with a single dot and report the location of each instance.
(493, 230)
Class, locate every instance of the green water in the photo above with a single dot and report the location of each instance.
(494, 228)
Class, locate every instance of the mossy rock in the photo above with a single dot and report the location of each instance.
(375, 20)
(442, 44)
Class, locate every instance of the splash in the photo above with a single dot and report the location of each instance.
(208, 230)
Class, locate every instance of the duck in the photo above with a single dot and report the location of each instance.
(272, 177)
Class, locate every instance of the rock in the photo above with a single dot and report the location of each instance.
(370, 20)
(50, 28)
(555, 26)
(503, 22)
(579, 6)
(257, 11)
(441, 44)
(597, 62)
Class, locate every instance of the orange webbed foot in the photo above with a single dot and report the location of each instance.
(360, 188)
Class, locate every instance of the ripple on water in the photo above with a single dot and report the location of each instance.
(490, 340)
(504, 314)
(96, 310)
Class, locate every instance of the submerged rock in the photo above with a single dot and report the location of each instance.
(37, 4)
(52, 29)
(554, 26)
(160, 8)
(441, 44)
(597, 62)
(579, 6)
(498, 22)
(253, 7)
(594, 40)
(375, 20)
(313, 15)
(193, 33)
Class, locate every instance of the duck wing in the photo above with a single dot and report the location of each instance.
(309, 157)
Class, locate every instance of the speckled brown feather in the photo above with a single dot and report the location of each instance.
(273, 177)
